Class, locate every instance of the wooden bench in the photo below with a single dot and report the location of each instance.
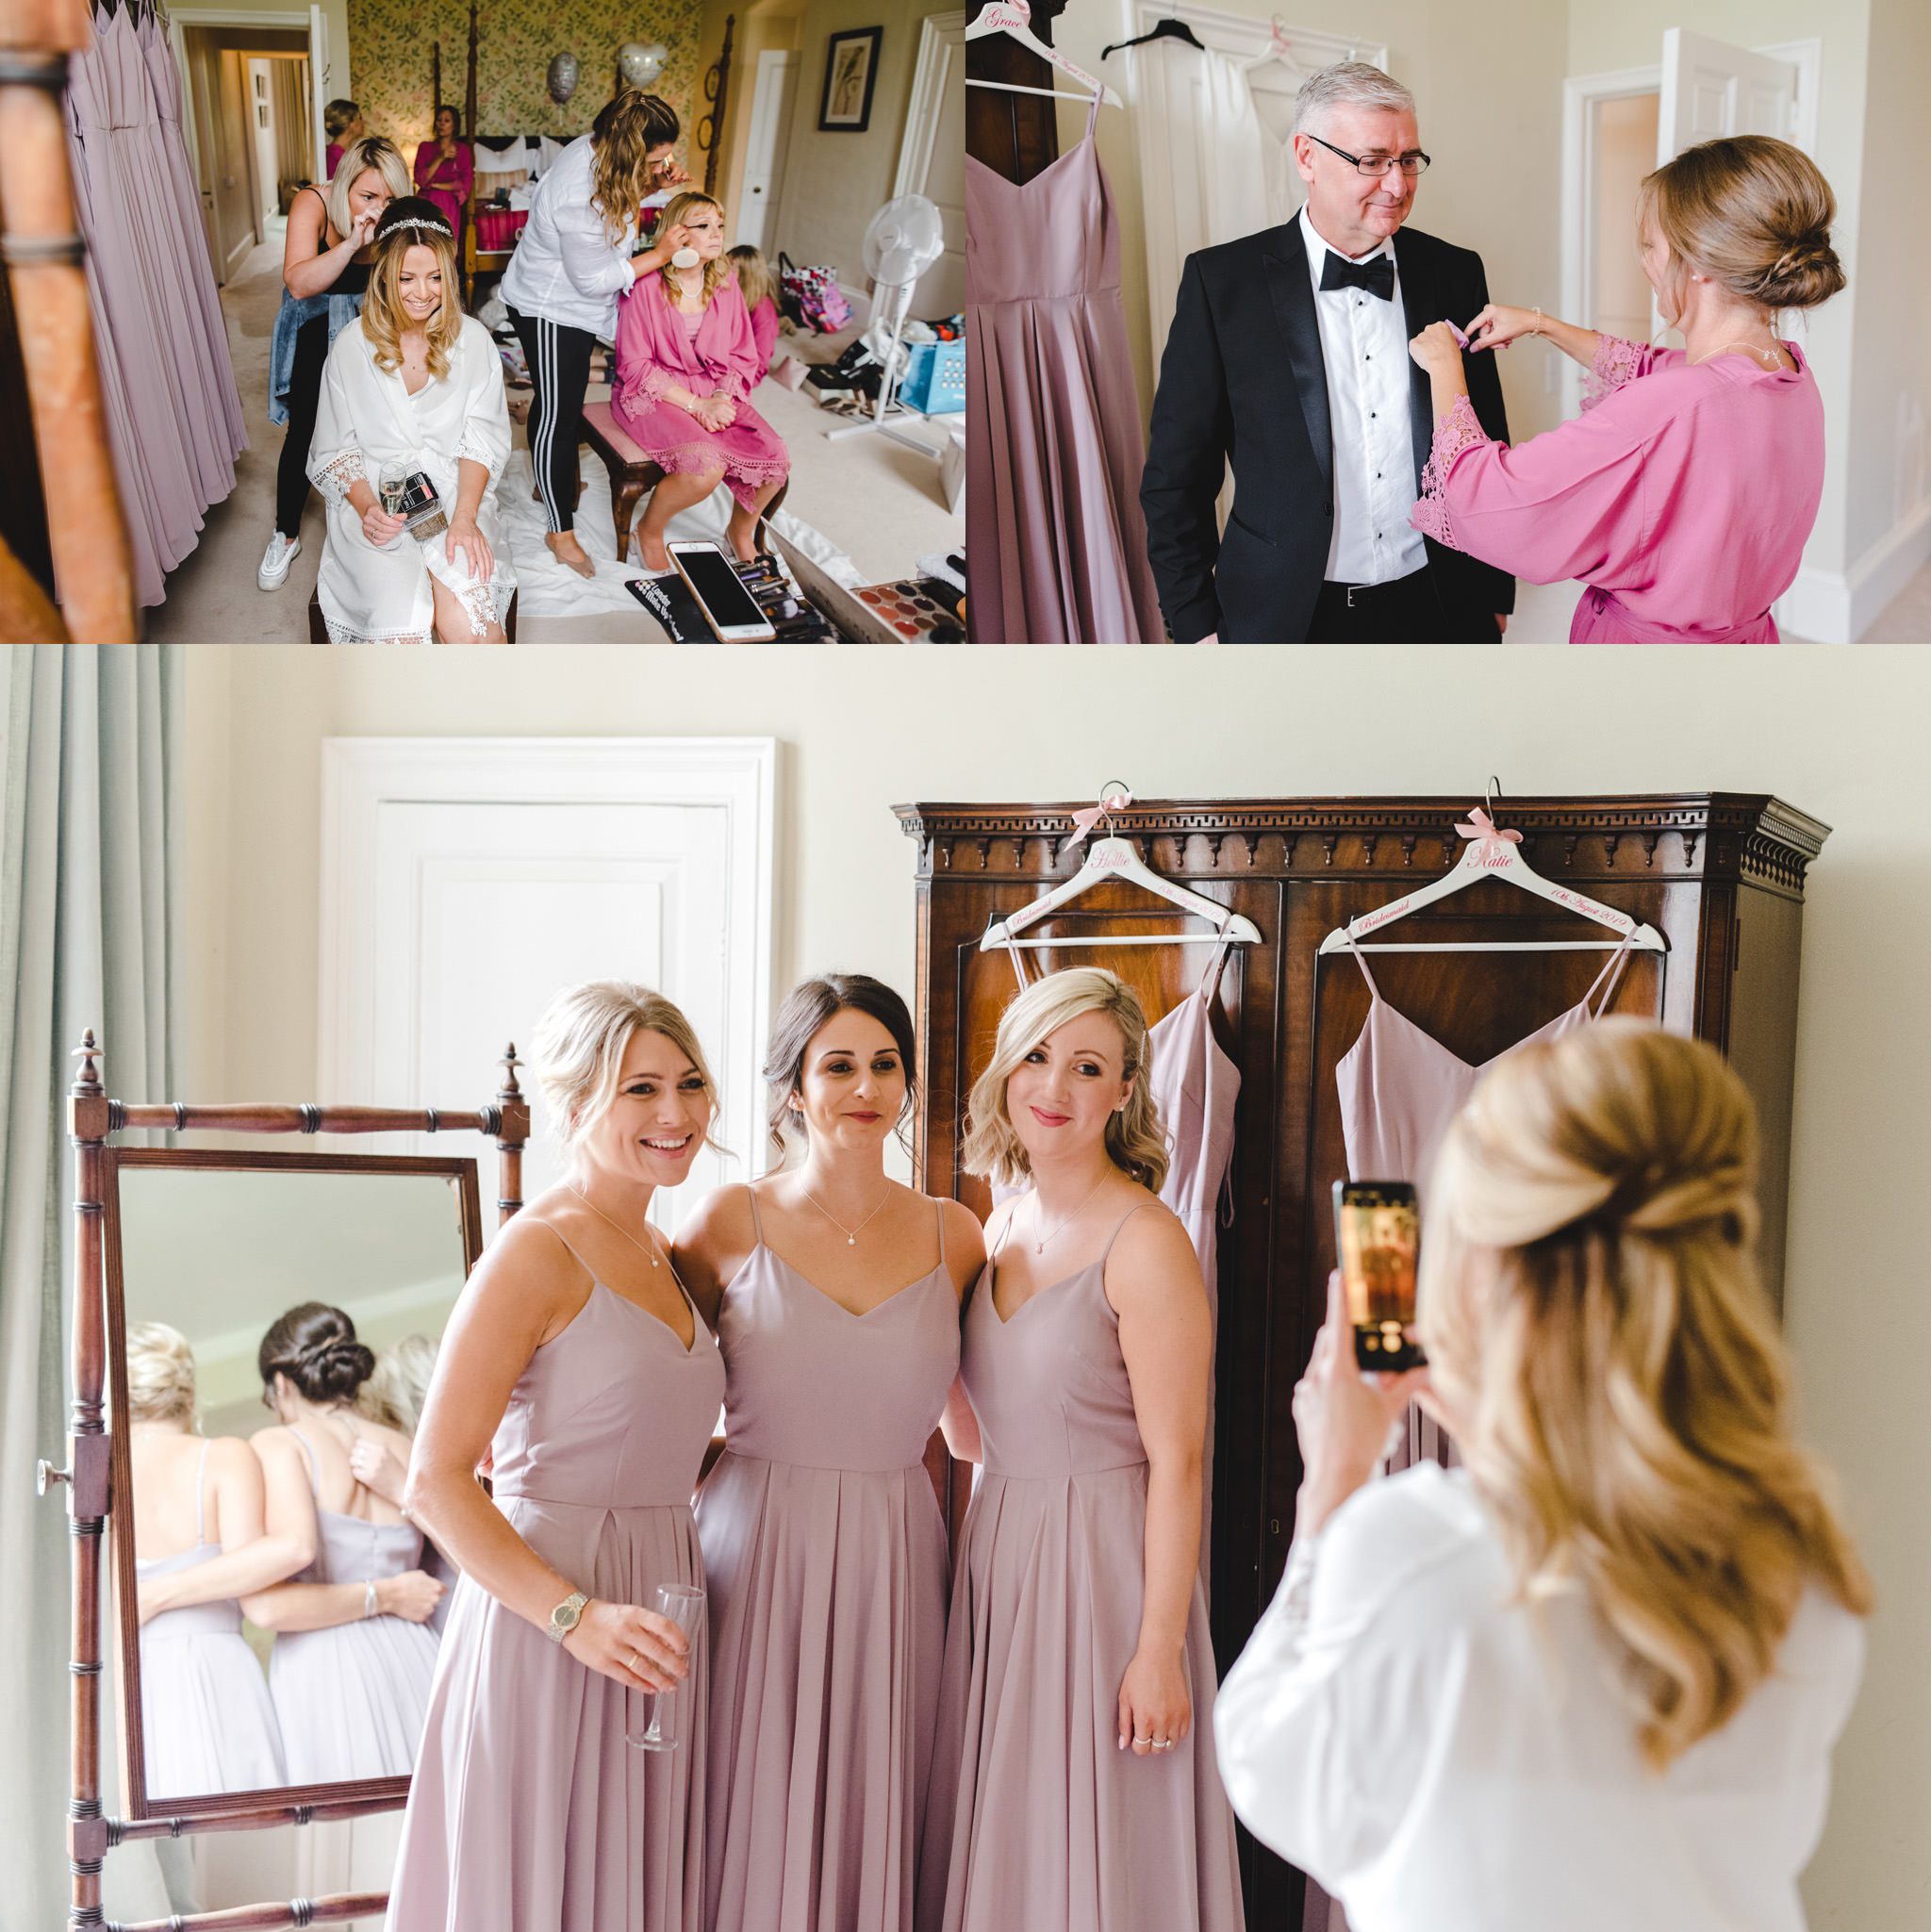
(318, 624)
(632, 474)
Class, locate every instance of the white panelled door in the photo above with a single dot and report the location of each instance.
(465, 881)
(1712, 90)
(931, 157)
(765, 146)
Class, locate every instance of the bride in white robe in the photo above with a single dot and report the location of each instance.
(377, 582)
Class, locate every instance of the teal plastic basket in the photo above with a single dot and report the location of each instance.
(934, 383)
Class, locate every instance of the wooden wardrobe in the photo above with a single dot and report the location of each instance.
(1718, 874)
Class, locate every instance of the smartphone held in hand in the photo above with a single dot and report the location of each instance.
(1378, 1246)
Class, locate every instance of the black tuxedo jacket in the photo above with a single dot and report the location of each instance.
(1242, 382)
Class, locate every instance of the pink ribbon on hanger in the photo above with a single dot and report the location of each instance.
(1480, 826)
(1084, 822)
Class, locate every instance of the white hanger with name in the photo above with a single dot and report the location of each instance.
(1492, 854)
(1109, 860)
(1014, 19)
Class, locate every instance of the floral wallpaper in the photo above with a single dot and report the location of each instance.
(389, 62)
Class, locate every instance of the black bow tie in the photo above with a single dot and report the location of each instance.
(1376, 274)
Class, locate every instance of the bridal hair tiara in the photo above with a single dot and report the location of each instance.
(424, 222)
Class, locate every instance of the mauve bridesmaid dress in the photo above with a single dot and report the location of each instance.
(1049, 1822)
(827, 1558)
(206, 1720)
(528, 1811)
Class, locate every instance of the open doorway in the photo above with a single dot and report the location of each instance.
(248, 121)
(1617, 126)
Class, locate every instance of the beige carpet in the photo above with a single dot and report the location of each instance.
(881, 503)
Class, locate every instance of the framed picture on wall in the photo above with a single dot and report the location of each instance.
(852, 68)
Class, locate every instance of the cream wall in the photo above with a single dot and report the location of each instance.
(1837, 736)
(1891, 392)
(769, 25)
(834, 182)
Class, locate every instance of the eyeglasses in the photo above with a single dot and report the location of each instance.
(1375, 166)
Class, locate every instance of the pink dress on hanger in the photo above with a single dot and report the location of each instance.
(1051, 1826)
(828, 1577)
(1055, 442)
(1683, 495)
(1401, 1088)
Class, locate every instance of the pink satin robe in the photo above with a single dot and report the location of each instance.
(452, 176)
(656, 352)
(1683, 495)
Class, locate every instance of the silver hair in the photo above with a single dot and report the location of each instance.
(1347, 83)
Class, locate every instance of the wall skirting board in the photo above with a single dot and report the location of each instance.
(1838, 606)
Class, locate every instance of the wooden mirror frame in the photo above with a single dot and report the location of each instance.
(459, 1172)
(93, 1467)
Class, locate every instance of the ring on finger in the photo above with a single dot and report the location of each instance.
(1147, 1739)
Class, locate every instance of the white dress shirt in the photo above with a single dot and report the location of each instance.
(1364, 347)
(565, 267)
(1445, 1759)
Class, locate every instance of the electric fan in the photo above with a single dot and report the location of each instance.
(905, 237)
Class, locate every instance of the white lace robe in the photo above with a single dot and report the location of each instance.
(367, 420)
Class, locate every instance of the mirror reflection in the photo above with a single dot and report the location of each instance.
(281, 1328)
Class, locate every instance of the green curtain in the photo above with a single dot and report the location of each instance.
(90, 872)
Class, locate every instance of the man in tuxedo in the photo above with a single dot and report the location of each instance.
(1288, 359)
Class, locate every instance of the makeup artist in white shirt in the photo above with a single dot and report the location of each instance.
(1288, 361)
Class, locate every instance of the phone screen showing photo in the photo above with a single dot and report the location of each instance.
(1378, 1246)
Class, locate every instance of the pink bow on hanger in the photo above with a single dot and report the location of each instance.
(1109, 803)
(1480, 825)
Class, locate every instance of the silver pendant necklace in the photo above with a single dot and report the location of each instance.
(850, 1234)
(1039, 1245)
(650, 1250)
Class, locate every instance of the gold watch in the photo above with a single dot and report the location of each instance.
(566, 1616)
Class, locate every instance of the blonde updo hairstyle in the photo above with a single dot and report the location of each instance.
(580, 1045)
(394, 1395)
(1596, 1327)
(1751, 212)
(1135, 1141)
(160, 1373)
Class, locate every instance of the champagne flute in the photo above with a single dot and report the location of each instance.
(683, 1604)
(394, 489)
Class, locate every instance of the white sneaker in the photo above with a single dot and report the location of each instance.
(275, 559)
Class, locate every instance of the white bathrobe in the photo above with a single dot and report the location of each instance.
(367, 421)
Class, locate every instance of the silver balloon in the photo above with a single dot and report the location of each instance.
(638, 64)
(562, 78)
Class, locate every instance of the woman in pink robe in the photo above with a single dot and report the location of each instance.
(446, 171)
(687, 362)
(1684, 494)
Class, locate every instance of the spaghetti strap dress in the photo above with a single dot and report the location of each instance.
(352, 1698)
(529, 1812)
(1037, 1817)
(208, 1722)
(1055, 442)
(1196, 1089)
(828, 1567)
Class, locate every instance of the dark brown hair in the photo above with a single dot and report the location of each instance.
(811, 1005)
(1752, 213)
(315, 1346)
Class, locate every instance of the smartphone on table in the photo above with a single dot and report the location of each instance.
(1377, 1246)
(729, 608)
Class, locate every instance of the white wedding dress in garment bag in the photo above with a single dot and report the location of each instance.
(1247, 170)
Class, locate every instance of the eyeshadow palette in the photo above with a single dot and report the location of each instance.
(911, 611)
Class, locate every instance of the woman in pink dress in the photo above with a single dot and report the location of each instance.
(1684, 493)
(445, 171)
(686, 363)
(577, 1360)
(758, 284)
(835, 1292)
(1075, 1784)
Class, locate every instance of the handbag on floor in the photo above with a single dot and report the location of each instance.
(811, 296)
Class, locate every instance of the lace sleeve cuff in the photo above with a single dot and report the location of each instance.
(1458, 430)
(476, 448)
(339, 474)
(1616, 362)
(1295, 1602)
(657, 382)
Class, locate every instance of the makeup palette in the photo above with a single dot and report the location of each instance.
(910, 610)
